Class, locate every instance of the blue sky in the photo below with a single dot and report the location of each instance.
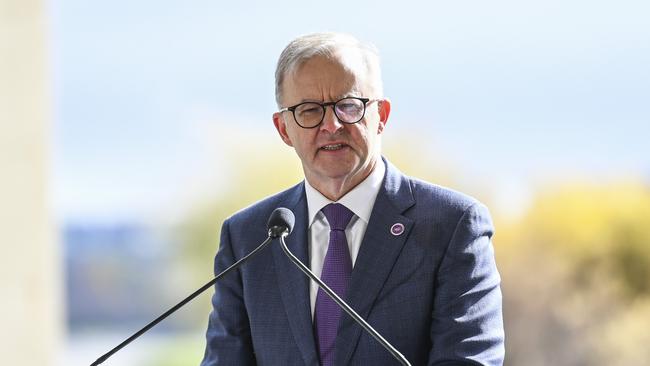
(511, 93)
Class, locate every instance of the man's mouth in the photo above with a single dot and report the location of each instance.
(333, 147)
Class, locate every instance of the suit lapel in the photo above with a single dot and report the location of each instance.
(293, 284)
(377, 255)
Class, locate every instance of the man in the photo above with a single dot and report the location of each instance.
(413, 259)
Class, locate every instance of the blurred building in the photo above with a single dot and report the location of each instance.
(119, 276)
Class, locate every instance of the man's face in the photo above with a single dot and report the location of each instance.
(333, 152)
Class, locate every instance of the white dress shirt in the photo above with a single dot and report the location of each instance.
(360, 200)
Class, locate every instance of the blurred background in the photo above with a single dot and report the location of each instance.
(130, 130)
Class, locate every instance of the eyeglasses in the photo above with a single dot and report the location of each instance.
(311, 114)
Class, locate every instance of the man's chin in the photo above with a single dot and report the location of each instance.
(338, 172)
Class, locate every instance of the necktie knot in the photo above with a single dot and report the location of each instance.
(337, 215)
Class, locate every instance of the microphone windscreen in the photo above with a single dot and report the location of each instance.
(281, 217)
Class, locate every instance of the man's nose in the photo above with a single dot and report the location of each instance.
(330, 122)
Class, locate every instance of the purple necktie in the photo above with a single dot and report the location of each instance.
(336, 274)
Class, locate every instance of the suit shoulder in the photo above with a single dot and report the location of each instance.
(440, 197)
(446, 208)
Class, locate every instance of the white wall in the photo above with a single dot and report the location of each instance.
(31, 312)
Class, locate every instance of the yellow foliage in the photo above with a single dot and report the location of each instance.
(576, 270)
(581, 219)
(590, 227)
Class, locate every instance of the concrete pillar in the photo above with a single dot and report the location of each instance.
(31, 312)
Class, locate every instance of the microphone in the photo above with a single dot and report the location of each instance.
(280, 221)
(279, 224)
(353, 314)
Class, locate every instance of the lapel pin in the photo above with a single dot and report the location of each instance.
(397, 229)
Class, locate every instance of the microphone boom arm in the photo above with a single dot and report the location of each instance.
(344, 305)
(108, 354)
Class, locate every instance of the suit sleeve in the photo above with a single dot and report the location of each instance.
(228, 335)
(467, 322)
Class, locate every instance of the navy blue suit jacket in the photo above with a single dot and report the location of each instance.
(433, 291)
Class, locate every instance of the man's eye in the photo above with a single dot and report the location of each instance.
(311, 109)
(348, 106)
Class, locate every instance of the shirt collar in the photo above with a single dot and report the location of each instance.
(359, 200)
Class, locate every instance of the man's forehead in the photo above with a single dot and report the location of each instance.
(320, 71)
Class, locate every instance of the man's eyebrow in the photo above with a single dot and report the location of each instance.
(304, 100)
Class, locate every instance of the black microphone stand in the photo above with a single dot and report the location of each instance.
(393, 351)
(274, 232)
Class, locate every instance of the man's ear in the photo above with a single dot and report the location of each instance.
(281, 127)
(383, 107)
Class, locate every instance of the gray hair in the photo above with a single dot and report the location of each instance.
(307, 46)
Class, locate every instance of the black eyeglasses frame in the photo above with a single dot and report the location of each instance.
(292, 109)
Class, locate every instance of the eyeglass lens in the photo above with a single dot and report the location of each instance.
(348, 110)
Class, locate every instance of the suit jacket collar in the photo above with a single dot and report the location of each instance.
(379, 251)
